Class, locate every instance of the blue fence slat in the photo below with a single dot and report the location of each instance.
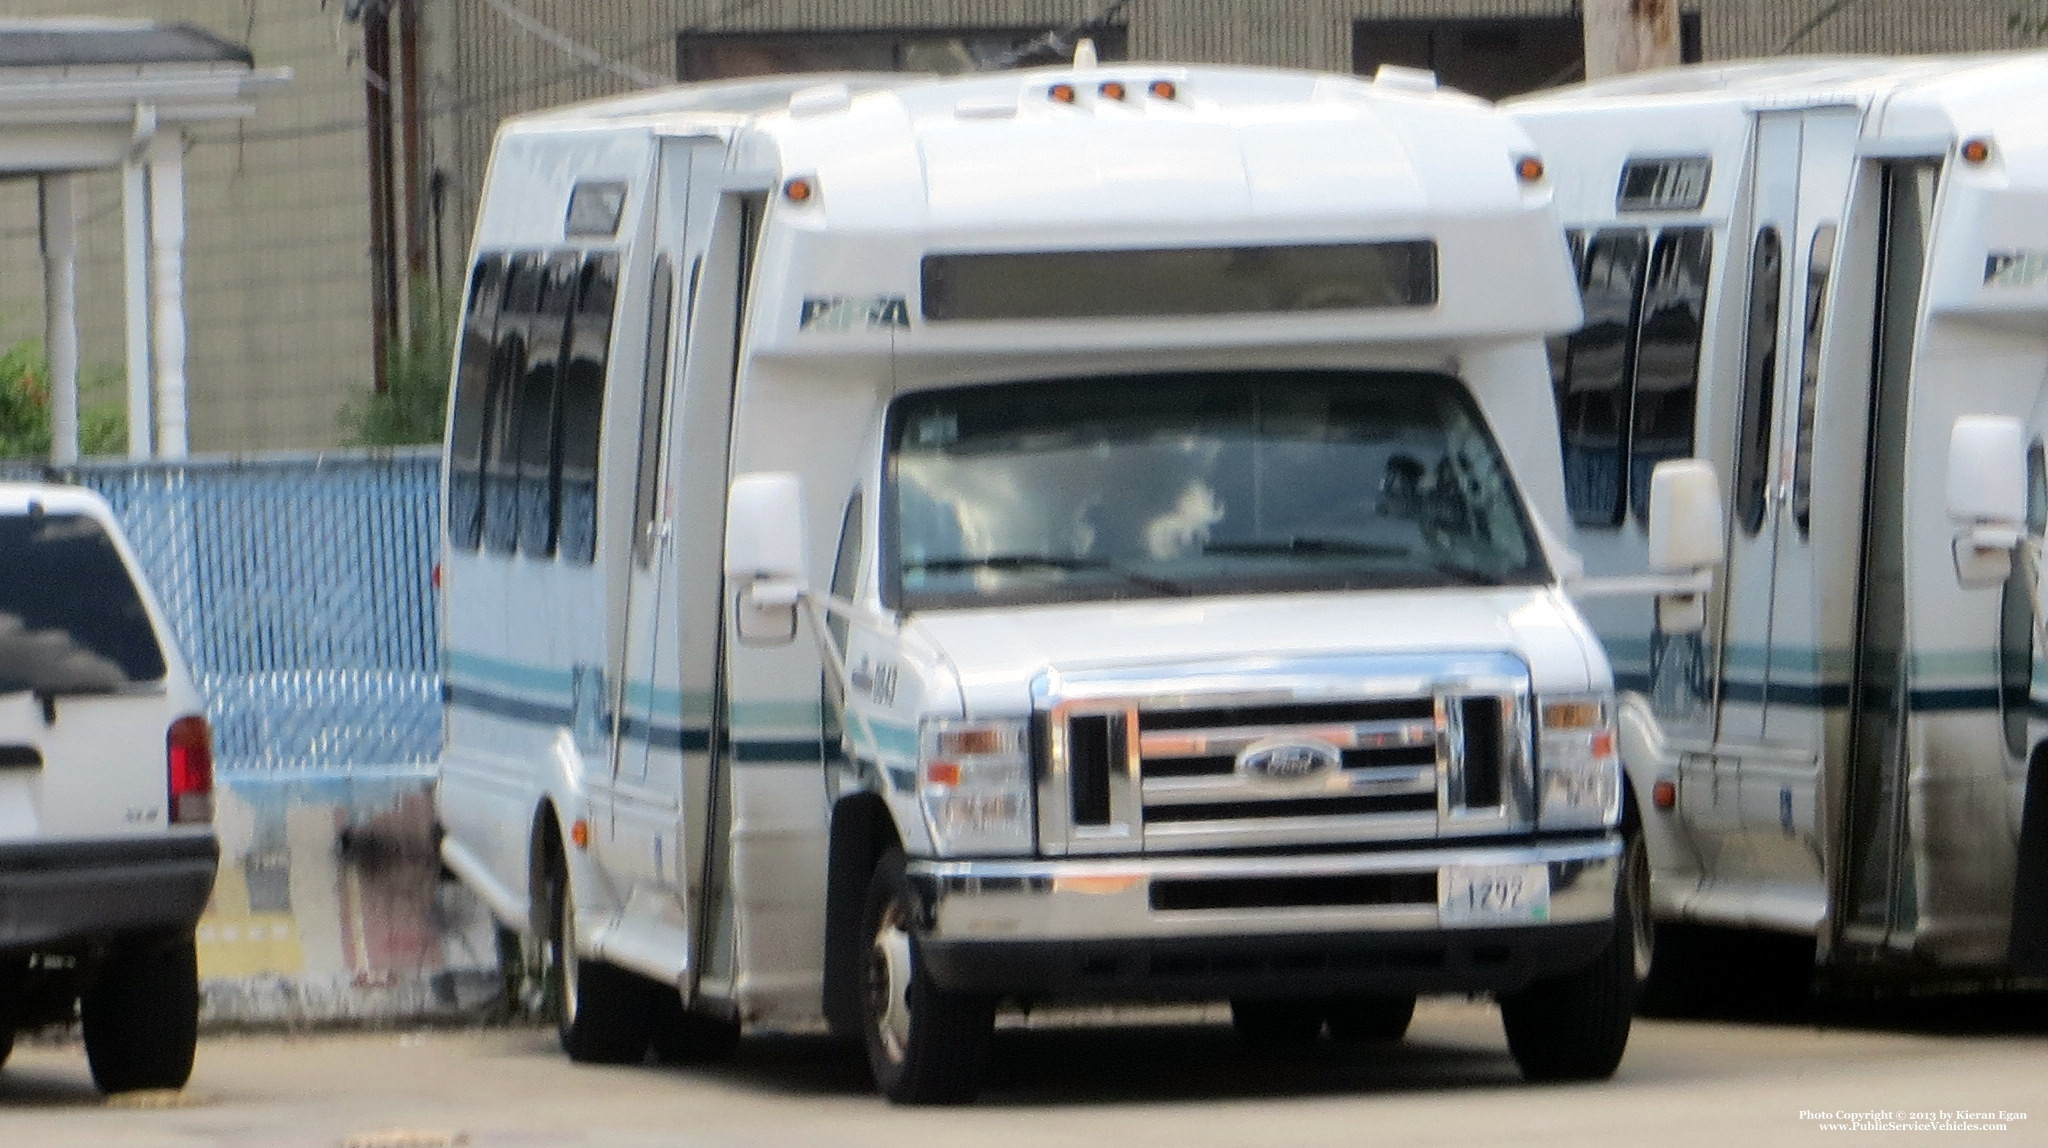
(299, 587)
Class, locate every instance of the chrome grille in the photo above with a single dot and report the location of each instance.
(1418, 751)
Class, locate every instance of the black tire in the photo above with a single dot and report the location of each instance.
(141, 1014)
(924, 1045)
(1575, 1026)
(684, 1037)
(1276, 1023)
(1370, 1019)
(603, 1014)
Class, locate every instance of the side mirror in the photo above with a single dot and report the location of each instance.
(1987, 495)
(764, 556)
(1688, 535)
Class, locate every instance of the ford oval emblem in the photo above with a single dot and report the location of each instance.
(1288, 760)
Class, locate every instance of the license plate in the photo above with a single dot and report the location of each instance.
(1493, 894)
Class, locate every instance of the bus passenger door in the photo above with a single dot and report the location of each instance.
(648, 853)
(1804, 654)
(1758, 260)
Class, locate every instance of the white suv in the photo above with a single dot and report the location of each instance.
(107, 850)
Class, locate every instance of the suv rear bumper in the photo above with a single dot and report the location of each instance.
(64, 894)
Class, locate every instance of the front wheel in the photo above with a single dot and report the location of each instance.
(603, 1014)
(141, 1014)
(924, 1045)
(1575, 1026)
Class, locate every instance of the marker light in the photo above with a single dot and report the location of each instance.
(579, 833)
(799, 190)
(1113, 90)
(1976, 150)
(1060, 93)
(1164, 90)
(1664, 794)
(1529, 169)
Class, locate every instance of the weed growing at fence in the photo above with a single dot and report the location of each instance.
(415, 397)
(25, 406)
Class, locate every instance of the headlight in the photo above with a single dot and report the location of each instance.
(974, 784)
(1579, 786)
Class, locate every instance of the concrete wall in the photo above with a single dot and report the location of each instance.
(276, 264)
(330, 908)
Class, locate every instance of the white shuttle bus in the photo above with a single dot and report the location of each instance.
(1829, 277)
(913, 545)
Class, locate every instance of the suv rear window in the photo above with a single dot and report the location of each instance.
(71, 621)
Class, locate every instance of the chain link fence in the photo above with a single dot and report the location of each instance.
(300, 589)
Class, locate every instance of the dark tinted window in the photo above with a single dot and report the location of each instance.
(70, 618)
(845, 569)
(1759, 379)
(1179, 281)
(472, 384)
(1667, 356)
(581, 406)
(507, 383)
(535, 410)
(653, 401)
(1819, 258)
(1593, 404)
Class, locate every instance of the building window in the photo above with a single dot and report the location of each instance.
(1494, 58)
(729, 55)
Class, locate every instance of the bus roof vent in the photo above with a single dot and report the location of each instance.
(1404, 79)
(821, 100)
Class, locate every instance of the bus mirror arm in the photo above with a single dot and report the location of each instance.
(1987, 496)
(765, 556)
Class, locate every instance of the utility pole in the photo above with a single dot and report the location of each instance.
(1629, 35)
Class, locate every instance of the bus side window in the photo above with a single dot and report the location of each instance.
(661, 294)
(845, 572)
(1667, 359)
(472, 384)
(1559, 346)
(580, 406)
(1819, 258)
(1759, 378)
(2016, 616)
(536, 410)
(508, 369)
(1599, 362)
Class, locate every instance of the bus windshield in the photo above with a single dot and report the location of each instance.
(1200, 483)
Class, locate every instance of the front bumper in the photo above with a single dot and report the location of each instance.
(1205, 926)
(57, 895)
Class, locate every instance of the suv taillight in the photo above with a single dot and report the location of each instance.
(190, 762)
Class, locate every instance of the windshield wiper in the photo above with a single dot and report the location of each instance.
(1466, 574)
(1345, 547)
(1305, 545)
(963, 562)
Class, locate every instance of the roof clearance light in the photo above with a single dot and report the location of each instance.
(1163, 90)
(1529, 169)
(1976, 150)
(799, 189)
(1060, 93)
(1113, 90)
